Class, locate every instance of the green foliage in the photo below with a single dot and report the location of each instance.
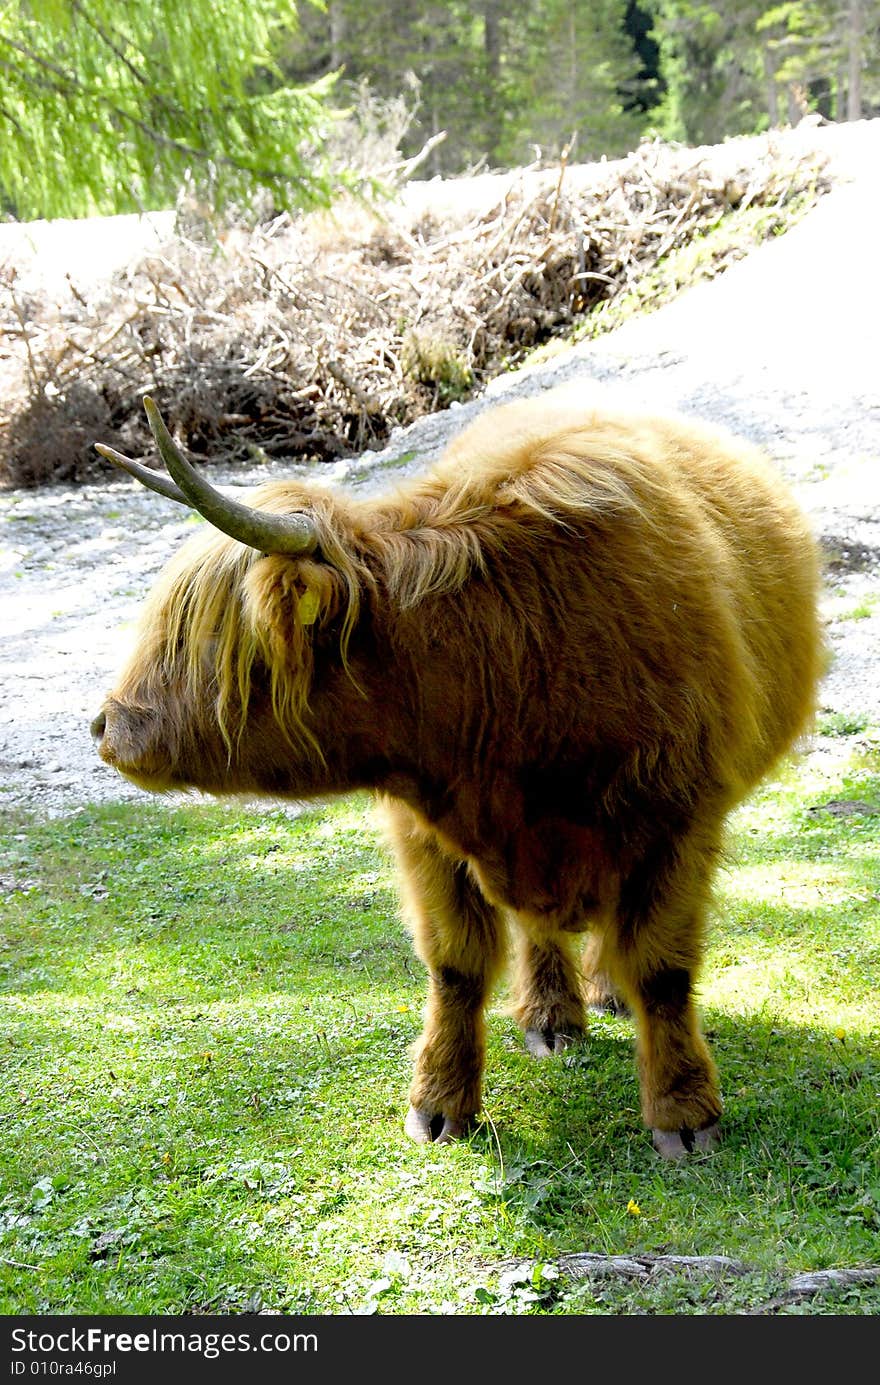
(570, 71)
(734, 66)
(712, 67)
(111, 108)
(106, 107)
(206, 1014)
(439, 364)
(831, 49)
(842, 724)
(500, 80)
(507, 82)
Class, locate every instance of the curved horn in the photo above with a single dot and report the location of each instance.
(153, 480)
(269, 533)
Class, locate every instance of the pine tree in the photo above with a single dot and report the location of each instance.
(826, 53)
(450, 54)
(108, 107)
(498, 78)
(573, 74)
(712, 63)
(735, 66)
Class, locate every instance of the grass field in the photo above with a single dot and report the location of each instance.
(206, 1013)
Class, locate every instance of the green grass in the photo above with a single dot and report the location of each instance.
(206, 1013)
(842, 723)
(863, 610)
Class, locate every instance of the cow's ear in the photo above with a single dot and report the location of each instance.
(309, 607)
(285, 598)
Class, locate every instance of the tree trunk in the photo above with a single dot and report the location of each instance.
(492, 53)
(840, 94)
(338, 34)
(771, 88)
(572, 39)
(795, 110)
(854, 35)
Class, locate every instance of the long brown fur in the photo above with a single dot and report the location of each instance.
(560, 658)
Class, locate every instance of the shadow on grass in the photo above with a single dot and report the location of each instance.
(800, 1134)
(207, 1016)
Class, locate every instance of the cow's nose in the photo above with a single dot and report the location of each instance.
(99, 726)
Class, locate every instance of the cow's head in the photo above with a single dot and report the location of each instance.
(222, 668)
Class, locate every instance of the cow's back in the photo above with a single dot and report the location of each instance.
(660, 581)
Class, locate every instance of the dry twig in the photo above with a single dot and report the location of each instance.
(285, 328)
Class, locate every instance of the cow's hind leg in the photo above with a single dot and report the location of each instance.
(549, 1006)
(598, 989)
(652, 958)
(458, 936)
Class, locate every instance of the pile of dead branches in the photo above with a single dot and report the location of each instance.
(313, 337)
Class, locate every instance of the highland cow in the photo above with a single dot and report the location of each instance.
(559, 658)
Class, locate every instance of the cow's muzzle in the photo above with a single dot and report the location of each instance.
(129, 740)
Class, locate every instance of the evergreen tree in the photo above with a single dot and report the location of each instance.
(108, 107)
(499, 78)
(711, 63)
(829, 54)
(573, 75)
(735, 66)
(450, 54)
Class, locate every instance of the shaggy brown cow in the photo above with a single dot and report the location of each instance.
(560, 658)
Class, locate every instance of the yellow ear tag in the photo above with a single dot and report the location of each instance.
(309, 605)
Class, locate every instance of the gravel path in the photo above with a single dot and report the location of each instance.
(784, 348)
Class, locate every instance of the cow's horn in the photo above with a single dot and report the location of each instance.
(258, 529)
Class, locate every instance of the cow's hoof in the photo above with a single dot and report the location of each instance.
(607, 1003)
(601, 997)
(426, 1127)
(541, 1043)
(678, 1144)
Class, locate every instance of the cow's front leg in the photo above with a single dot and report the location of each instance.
(458, 936)
(652, 959)
(446, 1090)
(679, 1087)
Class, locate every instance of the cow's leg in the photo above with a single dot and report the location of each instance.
(458, 936)
(652, 956)
(548, 1007)
(598, 989)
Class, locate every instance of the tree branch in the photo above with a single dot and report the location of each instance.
(136, 73)
(68, 83)
(591, 1265)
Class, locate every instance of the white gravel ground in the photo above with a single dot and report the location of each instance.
(784, 349)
